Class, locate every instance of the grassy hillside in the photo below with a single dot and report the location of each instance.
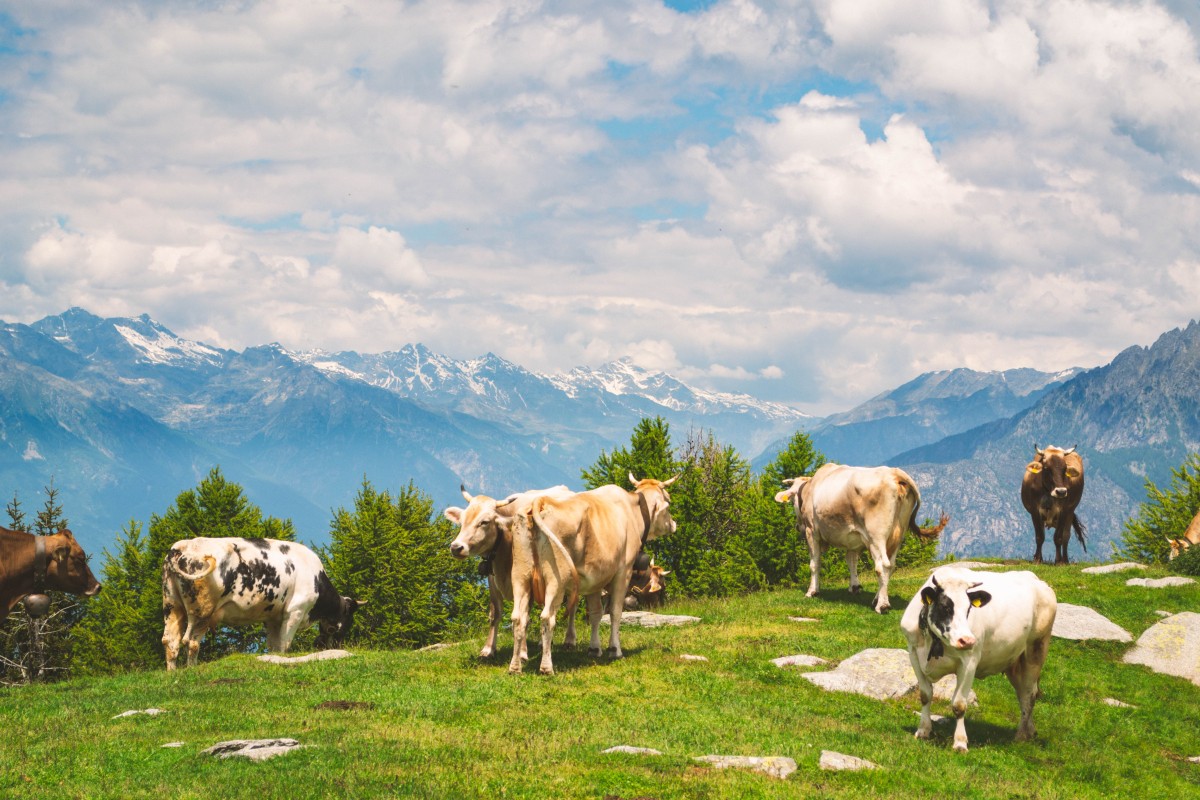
(443, 724)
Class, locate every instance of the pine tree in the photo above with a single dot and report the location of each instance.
(649, 456)
(114, 633)
(392, 553)
(778, 548)
(1164, 514)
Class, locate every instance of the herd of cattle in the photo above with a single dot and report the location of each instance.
(554, 546)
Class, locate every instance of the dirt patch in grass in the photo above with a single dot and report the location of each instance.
(345, 705)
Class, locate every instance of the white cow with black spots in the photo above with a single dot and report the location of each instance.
(976, 624)
(208, 582)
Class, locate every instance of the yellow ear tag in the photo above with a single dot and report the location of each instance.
(977, 602)
(1035, 468)
(927, 601)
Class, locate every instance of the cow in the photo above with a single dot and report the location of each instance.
(486, 531)
(1190, 537)
(31, 564)
(647, 585)
(1050, 491)
(588, 543)
(208, 582)
(857, 508)
(976, 624)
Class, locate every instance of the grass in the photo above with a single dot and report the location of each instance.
(443, 724)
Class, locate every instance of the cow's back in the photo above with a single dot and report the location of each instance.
(596, 528)
(842, 501)
(1021, 612)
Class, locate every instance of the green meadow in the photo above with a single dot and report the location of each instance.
(445, 724)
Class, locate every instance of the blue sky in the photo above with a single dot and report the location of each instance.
(806, 201)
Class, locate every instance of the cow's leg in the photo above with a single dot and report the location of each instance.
(195, 634)
(962, 693)
(571, 609)
(852, 565)
(522, 600)
(174, 621)
(295, 621)
(883, 569)
(595, 610)
(1062, 538)
(495, 609)
(274, 628)
(1039, 537)
(1024, 674)
(925, 687)
(814, 566)
(617, 590)
(554, 598)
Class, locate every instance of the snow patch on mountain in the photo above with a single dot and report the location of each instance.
(163, 347)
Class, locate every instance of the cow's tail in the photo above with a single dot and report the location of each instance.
(1080, 532)
(539, 525)
(174, 558)
(906, 487)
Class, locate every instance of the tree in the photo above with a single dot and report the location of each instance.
(778, 548)
(392, 553)
(649, 456)
(1164, 514)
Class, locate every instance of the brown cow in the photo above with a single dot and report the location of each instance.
(30, 564)
(486, 530)
(1190, 537)
(1050, 492)
(587, 543)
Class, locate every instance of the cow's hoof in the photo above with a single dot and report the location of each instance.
(855, 589)
(486, 652)
(613, 653)
(882, 609)
(546, 670)
(594, 652)
(960, 747)
(1037, 559)
(923, 734)
(811, 593)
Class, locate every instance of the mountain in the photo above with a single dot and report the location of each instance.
(122, 415)
(925, 410)
(1133, 420)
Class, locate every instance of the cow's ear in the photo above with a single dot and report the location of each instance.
(61, 552)
(1035, 467)
(454, 514)
(928, 595)
(979, 599)
(784, 497)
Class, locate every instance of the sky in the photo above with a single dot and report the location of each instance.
(808, 201)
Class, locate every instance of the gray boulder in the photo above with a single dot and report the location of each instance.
(1171, 646)
(1081, 622)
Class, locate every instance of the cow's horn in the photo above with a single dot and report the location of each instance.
(1072, 450)
(788, 482)
(1038, 450)
(671, 480)
(632, 479)
(462, 487)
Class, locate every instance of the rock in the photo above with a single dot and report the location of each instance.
(648, 619)
(881, 673)
(1195, 759)
(1104, 569)
(968, 565)
(1162, 613)
(775, 766)
(173, 744)
(803, 619)
(1115, 703)
(254, 749)
(148, 711)
(686, 657)
(798, 661)
(432, 648)
(324, 655)
(637, 751)
(1081, 622)
(1171, 647)
(839, 762)
(1160, 583)
(932, 717)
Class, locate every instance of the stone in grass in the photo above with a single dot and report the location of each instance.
(1195, 759)
(324, 655)
(686, 657)
(134, 712)
(648, 619)
(1081, 622)
(1171, 647)
(840, 762)
(804, 619)
(173, 744)
(637, 751)
(253, 749)
(1115, 703)
(1160, 583)
(775, 766)
(881, 673)
(799, 660)
(1104, 569)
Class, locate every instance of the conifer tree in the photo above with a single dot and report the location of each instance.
(648, 456)
(114, 634)
(779, 549)
(1165, 514)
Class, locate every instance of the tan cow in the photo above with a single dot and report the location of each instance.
(857, 508)
(486, 531)
(1190, 537)
(584, 544)
(31, 564)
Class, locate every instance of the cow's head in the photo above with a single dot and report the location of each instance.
(335, 628)
(67, 566)
(480, 524)
(946, 606)
(1056, 469)
(793, 494)
(1177, 547)
(655, 503)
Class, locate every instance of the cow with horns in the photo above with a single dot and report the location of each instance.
(1050, 492)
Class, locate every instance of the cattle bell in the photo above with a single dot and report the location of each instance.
(37, 605)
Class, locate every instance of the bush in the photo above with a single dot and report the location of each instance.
(1164, 515)
(1187, 562)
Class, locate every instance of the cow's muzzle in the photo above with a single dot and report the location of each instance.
(964, 642)
(458, 550)
(95, 590)
(1060, 492)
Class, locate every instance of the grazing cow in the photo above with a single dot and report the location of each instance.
(589, 542)
(208, 582)
(647, 585)
(857, 508)
(976, 624)
(31, 564)
(1050, 492)
(1190, 537)
(486, 530)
